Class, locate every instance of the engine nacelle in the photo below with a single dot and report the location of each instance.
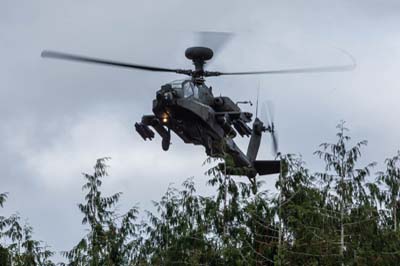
(219, 102)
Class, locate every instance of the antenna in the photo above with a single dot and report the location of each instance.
(258, 95)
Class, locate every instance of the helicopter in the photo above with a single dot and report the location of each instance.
(189, 109)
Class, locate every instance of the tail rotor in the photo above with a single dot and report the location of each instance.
(267, 115)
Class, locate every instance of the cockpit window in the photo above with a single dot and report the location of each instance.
(176, 84)
(187, 89)
(195, 92)
(190, 90)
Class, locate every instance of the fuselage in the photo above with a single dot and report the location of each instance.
(186, 109)
(192, 112)
(189, 109)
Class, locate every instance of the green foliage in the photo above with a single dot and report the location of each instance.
(234, 227)
(111, 239)
(344, 186)
(3, 198)
(20, 248)
(391, 195)
(331, 217)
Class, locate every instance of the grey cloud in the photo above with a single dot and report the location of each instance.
(48, 109)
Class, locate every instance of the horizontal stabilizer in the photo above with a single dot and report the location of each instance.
(267, 167)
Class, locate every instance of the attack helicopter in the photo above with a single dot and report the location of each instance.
(189, 109)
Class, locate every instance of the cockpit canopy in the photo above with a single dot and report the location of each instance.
(189, 90)
(185, 88)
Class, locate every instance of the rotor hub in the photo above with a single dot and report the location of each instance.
(199, 53)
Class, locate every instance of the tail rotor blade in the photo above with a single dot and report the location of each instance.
(271, 110)
(268, 116)
(275, 146)
(264, 114)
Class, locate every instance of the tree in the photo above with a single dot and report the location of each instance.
(391, 195)
(5, 258)
(23, 249)
(112, 237)
(349, 199)
(329, 217)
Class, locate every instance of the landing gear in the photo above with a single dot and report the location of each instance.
(146, 133)
(166, 140)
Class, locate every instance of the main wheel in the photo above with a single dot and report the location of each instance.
(165, 144)
(166, 141)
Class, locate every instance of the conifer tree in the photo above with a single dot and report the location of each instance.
(391, 195)
(112, 237)
(344, 187)
(22, 249)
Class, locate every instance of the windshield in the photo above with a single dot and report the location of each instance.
(185, 88)
(189, 90)
(177, 84)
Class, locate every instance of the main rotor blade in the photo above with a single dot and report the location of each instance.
(80, 58)
(213, 39)
(339, 68)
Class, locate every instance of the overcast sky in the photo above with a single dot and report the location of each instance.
(57, 117)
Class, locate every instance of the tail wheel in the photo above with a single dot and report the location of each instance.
(210, 144)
